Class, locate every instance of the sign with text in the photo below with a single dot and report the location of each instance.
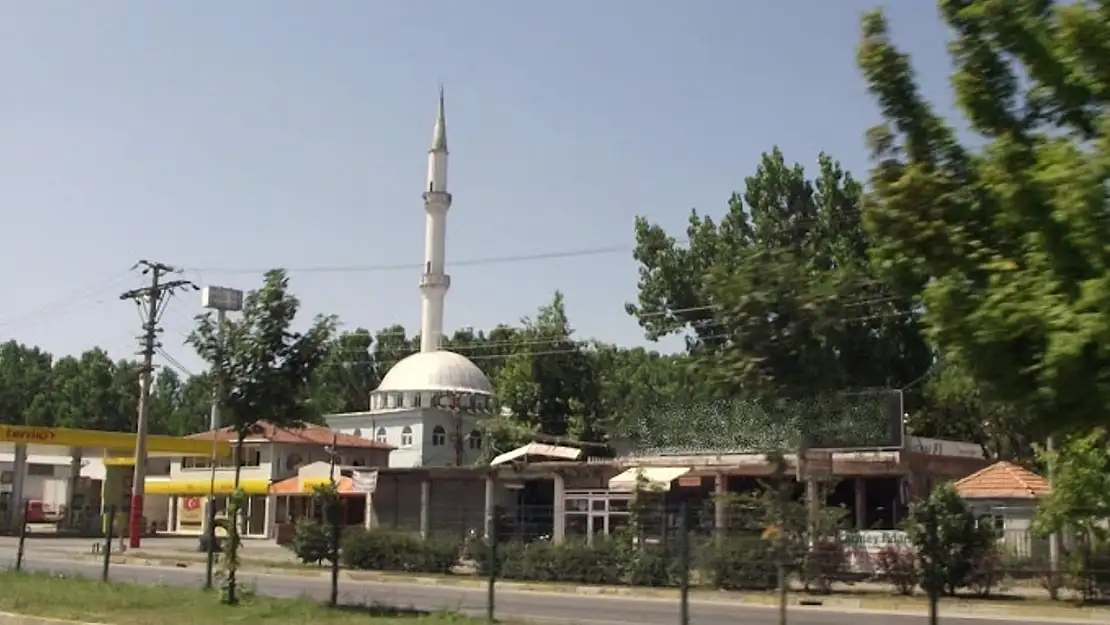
(16, 434)
(364, 481)
(863, 547)
(190, 511)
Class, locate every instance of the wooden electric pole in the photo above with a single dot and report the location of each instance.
(152, 302)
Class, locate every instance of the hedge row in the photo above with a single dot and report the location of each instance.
(735, 563)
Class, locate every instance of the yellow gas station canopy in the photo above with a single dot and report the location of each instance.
(93, 443)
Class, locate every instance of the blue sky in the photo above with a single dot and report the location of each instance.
(259, 133)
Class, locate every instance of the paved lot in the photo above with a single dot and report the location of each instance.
(535, 606)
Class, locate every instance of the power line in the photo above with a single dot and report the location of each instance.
(491, 260)
(798, 221)
(97, 289)
(578, 347)
(173, 362)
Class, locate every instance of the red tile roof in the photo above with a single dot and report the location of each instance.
(292, 486)
(309, 435)
(1003, 480)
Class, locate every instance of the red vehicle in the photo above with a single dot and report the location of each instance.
(36, 513)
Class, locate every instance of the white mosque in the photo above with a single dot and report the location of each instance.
(430, 404)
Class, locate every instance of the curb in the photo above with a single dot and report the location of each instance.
(10, 618)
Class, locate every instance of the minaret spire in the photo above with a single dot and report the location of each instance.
(434, 282)
(439, 135)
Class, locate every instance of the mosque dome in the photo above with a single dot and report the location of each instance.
(440, 370)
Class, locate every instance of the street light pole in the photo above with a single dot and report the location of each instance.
(222, 300)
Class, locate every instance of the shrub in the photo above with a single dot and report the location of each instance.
(390, 550)
(986, 571)
(740, 563)
(602, 562)
(954, 547)
(311, 542)
(1089, 572)
(824, 564)
(654, 565)
(898, 565)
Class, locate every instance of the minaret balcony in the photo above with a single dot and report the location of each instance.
(437, 197)
(435, 281)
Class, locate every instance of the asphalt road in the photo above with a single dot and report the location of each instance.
(522, 605)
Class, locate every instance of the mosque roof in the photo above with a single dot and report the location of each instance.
(440, 370)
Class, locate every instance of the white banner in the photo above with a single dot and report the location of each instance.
(365, 481)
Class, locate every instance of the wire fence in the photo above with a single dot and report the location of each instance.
(688, 548)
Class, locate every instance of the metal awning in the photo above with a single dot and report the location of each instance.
(647, 478)
(538, 449)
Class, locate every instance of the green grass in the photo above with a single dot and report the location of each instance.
(86, 600)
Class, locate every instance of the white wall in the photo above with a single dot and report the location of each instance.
(422, 422)
(264, 471)
(52, 490)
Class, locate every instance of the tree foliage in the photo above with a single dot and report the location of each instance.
(1079, 503)
(779, 296)
(261, 366)
(1006, 242)
(954, 408)
(949, 539)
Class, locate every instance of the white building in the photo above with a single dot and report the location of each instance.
(176, 499)
(430, 405)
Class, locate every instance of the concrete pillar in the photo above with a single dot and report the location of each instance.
(491, 504)
(559, 512)
(368, 520)
(425, 507)
(720, 506)
(861, 503)
(72, 487)
(271, 522)
(813, 506)
(19, 473)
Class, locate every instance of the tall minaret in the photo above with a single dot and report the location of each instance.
(434, 282)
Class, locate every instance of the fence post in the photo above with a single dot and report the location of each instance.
(210, 543)
(932, 578)
(22, 535)
(782, 580)
(333, 548)
(108, 531)
(492, 566)
(684, 564)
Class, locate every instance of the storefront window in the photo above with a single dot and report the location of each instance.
(598, 513)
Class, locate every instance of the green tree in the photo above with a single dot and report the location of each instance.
(953, 407)
(779, 297)
(264, 371)
(957, 544)
(1006, 241)
(180, 407)
(348, 374)
(25, 374)
(634, 381)
(489, 351)
(1079, 503)
(549, 382)
(391, 345)
(90, 392)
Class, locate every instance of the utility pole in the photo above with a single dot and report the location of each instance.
(152, 301)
